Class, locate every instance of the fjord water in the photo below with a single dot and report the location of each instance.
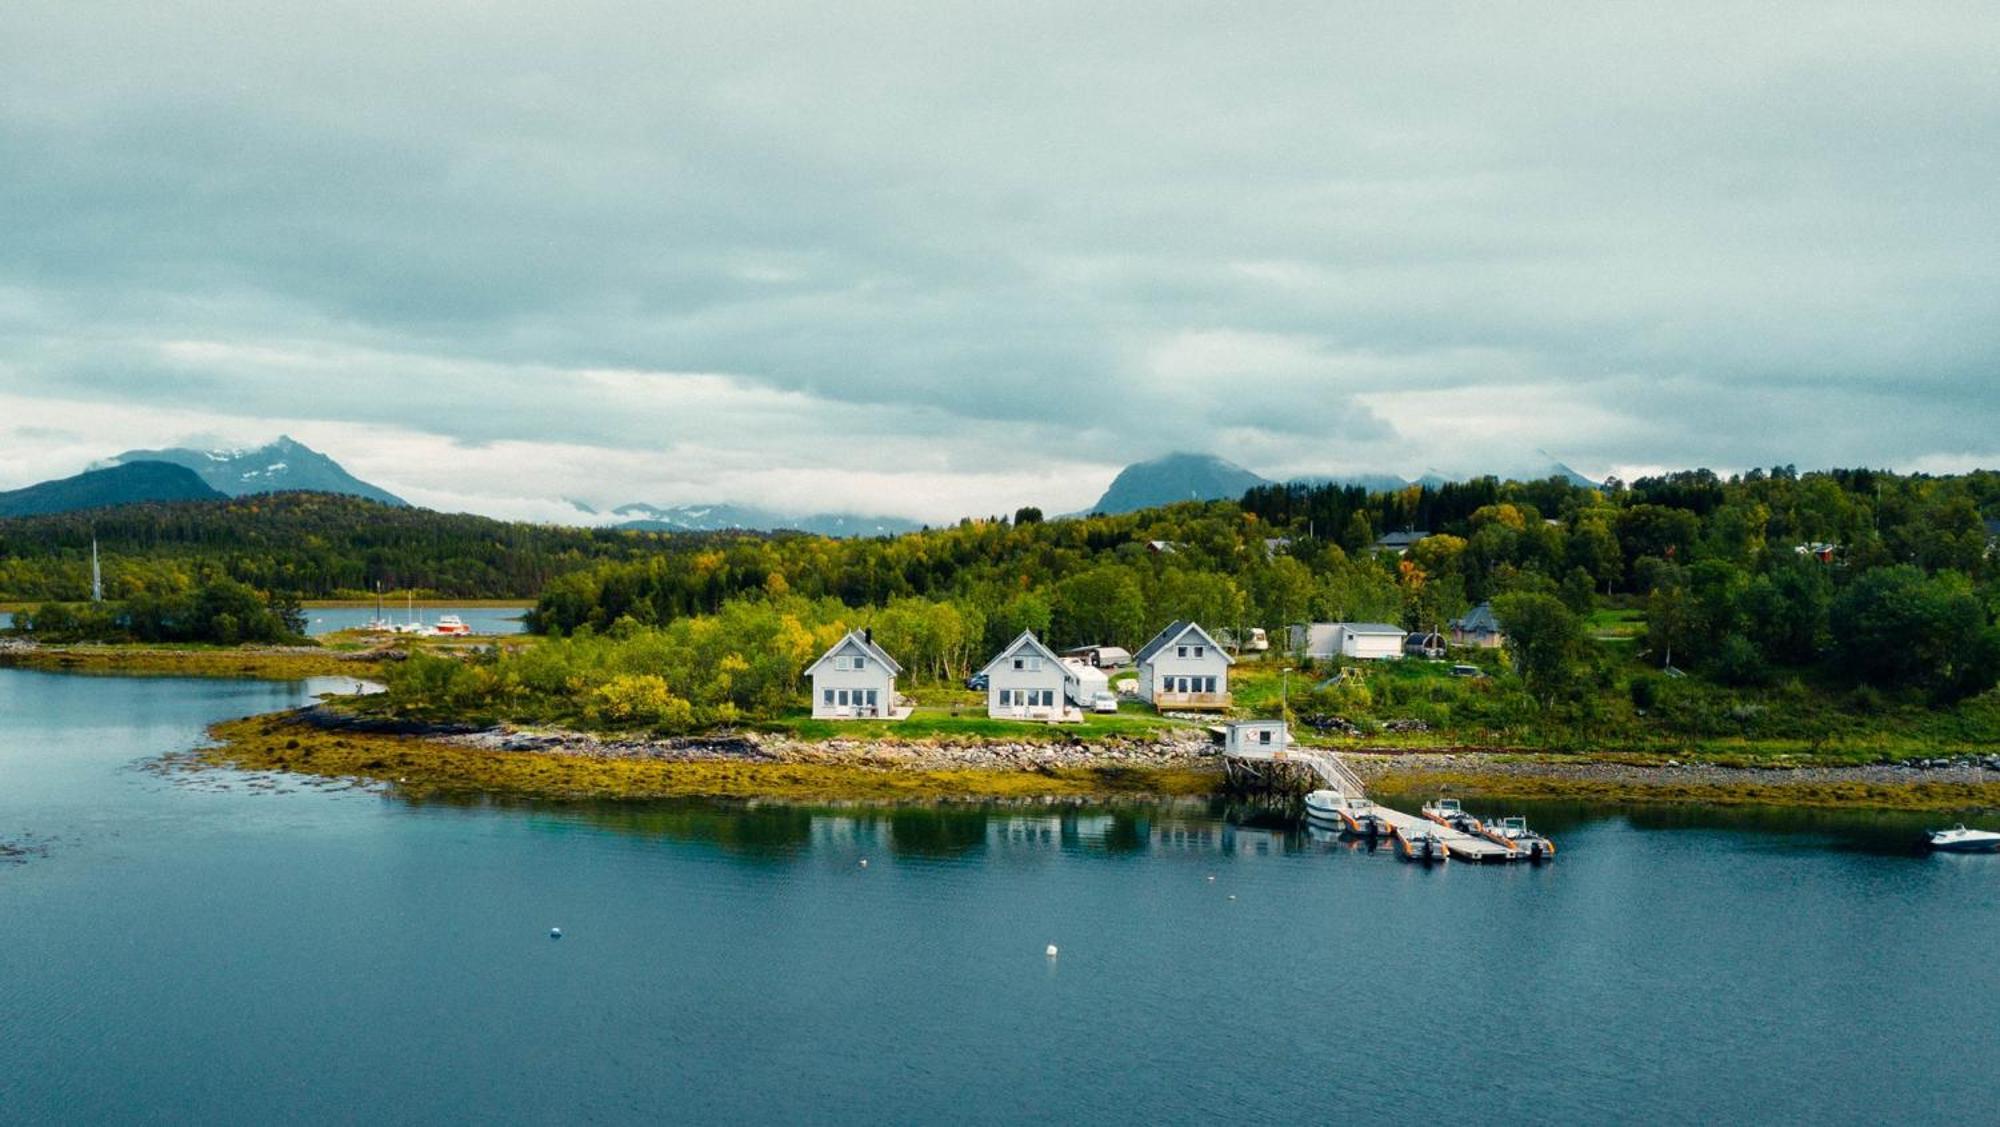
(482, 620)
(238, 949)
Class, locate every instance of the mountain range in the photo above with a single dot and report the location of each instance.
(275, 467)
(183, 474)
(717, 518)
(114, 485)
(1205, 477)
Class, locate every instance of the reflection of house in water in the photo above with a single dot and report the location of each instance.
(849, 832)
(1254, 841)
(1042, 832)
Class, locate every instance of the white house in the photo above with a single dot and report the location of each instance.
(1255, 739)
(855, 680)
(1184, 667)
(1365, 641)
(1027, 681)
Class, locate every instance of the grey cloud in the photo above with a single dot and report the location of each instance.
(995, 221)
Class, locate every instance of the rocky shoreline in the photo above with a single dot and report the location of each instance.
(1965, 769)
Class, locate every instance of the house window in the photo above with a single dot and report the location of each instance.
(1264, 736)
(1200, 650)
(829, 698)
(1180, 651)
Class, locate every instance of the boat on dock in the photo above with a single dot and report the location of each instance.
(1958, 839)
(1324, 806)
(1421, 844)
(1513, 832)
(1447, 812)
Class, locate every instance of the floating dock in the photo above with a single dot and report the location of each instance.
(1365, 817)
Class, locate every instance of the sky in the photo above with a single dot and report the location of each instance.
(931, 259)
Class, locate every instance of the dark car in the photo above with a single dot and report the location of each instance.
(976, 682)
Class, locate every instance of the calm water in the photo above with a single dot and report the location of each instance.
(234, 951)
(483, 620)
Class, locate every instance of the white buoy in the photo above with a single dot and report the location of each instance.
(555, 933)
(1232, 896)
(1211, 878)
(864, 862)
(1052, 951)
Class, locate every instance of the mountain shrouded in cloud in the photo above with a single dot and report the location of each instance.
(276, 467)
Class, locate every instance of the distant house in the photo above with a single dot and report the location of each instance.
(1027, 681)
(1397, 542)
(1255, 739)
(1101, 657)
(1424, 643)
(1817, 550)
(1184, 667)
(1478, 627)
(1162, 547)
(1365, 641)
(855, 680)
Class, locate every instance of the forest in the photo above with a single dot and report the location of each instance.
(1758, 585)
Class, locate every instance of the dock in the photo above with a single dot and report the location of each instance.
(1329, 771)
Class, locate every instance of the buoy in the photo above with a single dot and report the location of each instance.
(1052, 951)
(1211, 878)
(555, 933)
(1232, 896)
(864, 862)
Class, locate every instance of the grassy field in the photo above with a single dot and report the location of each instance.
(1876, 795)
(191, 661)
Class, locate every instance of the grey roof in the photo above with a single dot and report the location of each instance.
(1035, 643)
(1399, 539)
(1172, 633)
(1371, 628)
(862, 642)
(1478, 620)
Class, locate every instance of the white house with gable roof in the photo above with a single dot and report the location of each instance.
(1184, 667)
(855, 680)
(1026, 680)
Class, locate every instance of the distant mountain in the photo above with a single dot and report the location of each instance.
(116, 485)
(720, 518)
(1176, 477)
(284, 465)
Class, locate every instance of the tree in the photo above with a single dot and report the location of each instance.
(1545, 641)
(1896, 627)
(1027, 514)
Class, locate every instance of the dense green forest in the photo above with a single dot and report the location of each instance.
(310, 545)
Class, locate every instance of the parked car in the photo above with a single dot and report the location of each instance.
(1104, 702)
(976, 682)
(1467, 671)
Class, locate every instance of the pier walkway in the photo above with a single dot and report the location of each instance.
(1334, 774)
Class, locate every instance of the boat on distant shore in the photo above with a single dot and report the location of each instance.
(449, 625)
(1958, 839)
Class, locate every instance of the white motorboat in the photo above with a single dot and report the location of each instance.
(1324, 806)
(1421, 845)
(1958, 839)
(449, 625)
(1514, 834)
(1447, 812)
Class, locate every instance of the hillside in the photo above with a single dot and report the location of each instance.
(283, 466)
(96, 489)
(313, 544)
(1176, 477)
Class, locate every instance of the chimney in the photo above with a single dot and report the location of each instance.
(868, 634)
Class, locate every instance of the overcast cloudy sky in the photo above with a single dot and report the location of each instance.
(930, 259)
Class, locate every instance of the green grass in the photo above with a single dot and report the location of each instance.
(932, 722)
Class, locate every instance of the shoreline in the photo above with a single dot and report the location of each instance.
(275, 663)
(423, 760)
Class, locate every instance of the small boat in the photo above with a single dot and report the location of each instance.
(450, 624)
(1421, 845)
(1447, 812)
(1958, 839)
(1514, 834)
(1324, 806)
(1359, 817)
